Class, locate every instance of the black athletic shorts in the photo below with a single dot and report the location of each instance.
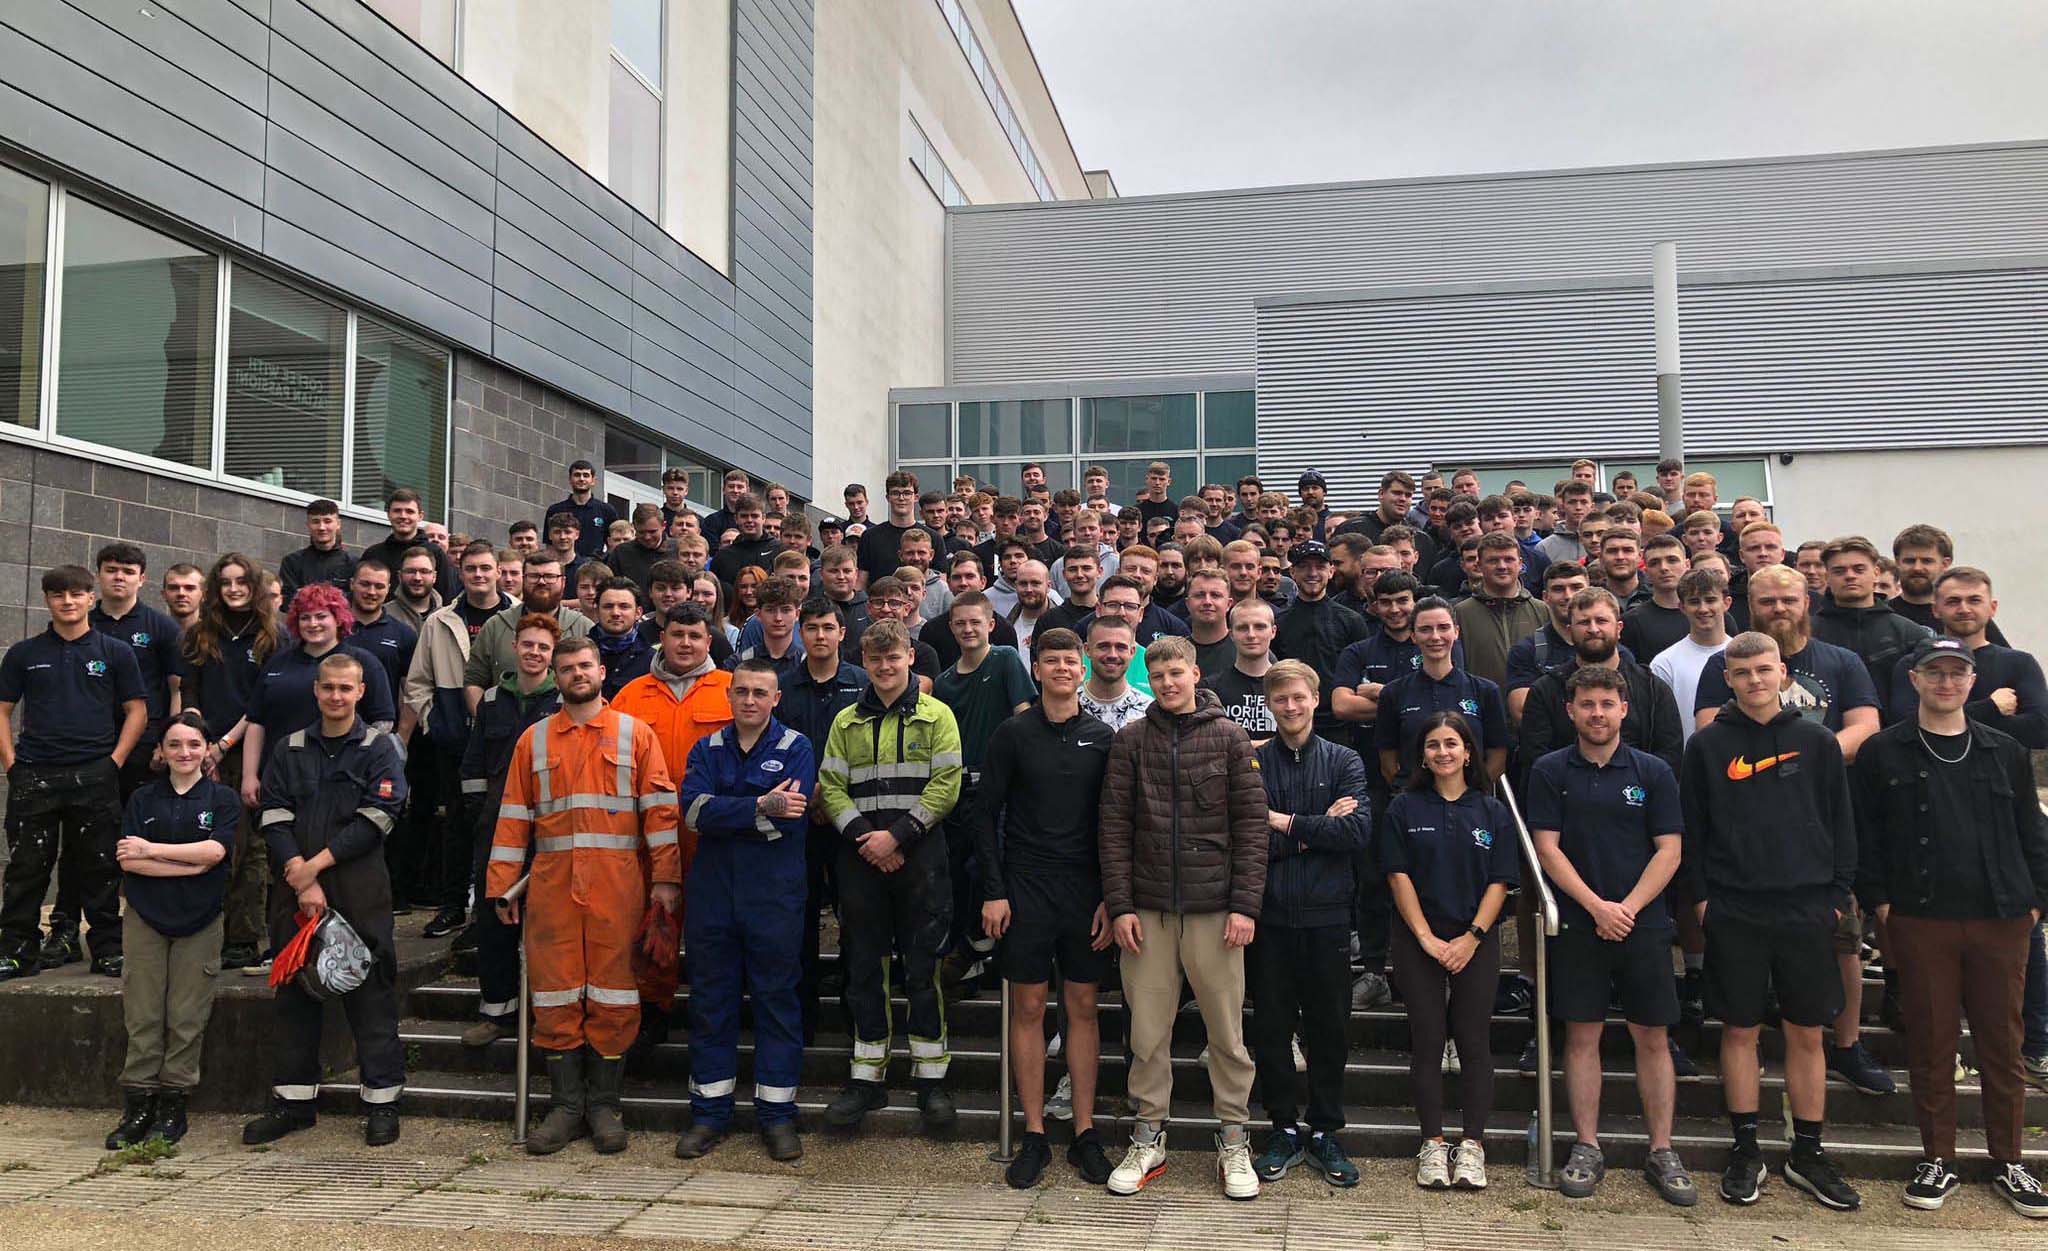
(1747, 961)
(1588, 973)
(1050, 916)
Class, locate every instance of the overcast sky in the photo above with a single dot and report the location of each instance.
(1178, 95)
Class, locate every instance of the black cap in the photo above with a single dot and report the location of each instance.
(1308, 549)
(1930, 650)
(1310, 477)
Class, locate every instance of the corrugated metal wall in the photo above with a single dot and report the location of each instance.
(312, 133)
(1167, 285)
(1889, 360)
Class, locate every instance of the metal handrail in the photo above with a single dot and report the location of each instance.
(1543, 1169)
(1004, 1153)
(522, 1061)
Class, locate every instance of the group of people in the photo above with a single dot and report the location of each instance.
(1236, 744)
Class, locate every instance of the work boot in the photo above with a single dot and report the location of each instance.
(567, 1102)
(380, 1125)
(935, 1108)
(851, 1106)
(653, 1031)
(138, 1107)
(286, 1116)
(168, 1120)
(59, 949)
(782, 1142)
(698, 1140)
(606, 1080)
(485, 1031)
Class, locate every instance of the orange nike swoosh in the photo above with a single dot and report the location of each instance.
(1739, 769)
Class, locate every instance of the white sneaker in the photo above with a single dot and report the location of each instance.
(1966, 1072)
(1300, 1060)
(1451, 1058)
(1234, 1163)
(1052, 1049)
(1060, 1107)
(1202, 1056)
(1433, 1166)
(1469, 1170)
(1145, 1160)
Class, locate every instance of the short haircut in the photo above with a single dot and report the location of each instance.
(1395, 581)
(1354, 543)
(1574, 488)
(1750, 644)
(748, 503)
(403, 495)
(1964, 573)
(1619, 533)
(323, 508)
(1072, 554)
(1168, 647)
(1499, 541)
(1702, 518)
(818, 606)
(1923, 535)
(887, 586)
(575, 465)
(1783, 576)
(839, 554)
(778, 592)
(1208, 575)
(627, 585)
(1398, 534)
(1460, 512)
(668, 573)
(335, 661)
(1433, 603)
(1099, 622)
(1853, 543)
(853, 489)
(544, 622)
(373, 563)
(65, 579)
(1559, 571)
(1285, 671)
(1057, 639)
(900, 479)
(1697, 584)
(882, 637)
(1755, 527)
(1120, 582)
(1397, 477)
(916, 534)
(1595, 678)
(791, 560)
(533, 561)
(121, 554)
(478, 547)
(1140, 550)
(645, 512)
(1658, 542)
(971, 599)
(575, 646)
(561, 521)
(184, 567)
(1670, 464)
(519, 527)
(1593, 597)
(685, 614)
(756, 664)
(595, 572)
(1066, 497)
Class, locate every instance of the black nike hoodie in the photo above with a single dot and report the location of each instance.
(1770, 831)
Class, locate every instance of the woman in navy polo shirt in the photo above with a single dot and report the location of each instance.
(1439, 684)
(1450, 856)
(318, 618)
(176, 838)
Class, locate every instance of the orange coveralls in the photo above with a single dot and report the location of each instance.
(589, 799)
(677, 725)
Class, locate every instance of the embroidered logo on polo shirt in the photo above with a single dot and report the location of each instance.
(771, 766)
(1468, 706)
(205, 820)
(1482, 839)
(140, 638)
(96, 668)
(1634, 796)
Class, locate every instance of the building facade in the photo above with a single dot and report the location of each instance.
(1862, 336)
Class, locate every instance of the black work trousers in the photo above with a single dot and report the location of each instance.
(1300, 980)
(1373, 917)
(62, 819)
(821, 851)
(908, 912)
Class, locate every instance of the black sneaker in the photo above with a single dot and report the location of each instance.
(1856, 1066)
(1088, 1158)
(59, 949)
(1742, 1182)
(1817, 1175)
(1028, 1165)
(445, 922)
(2018, 1188)
(1328, 1156)
(1931, 1186)
(380, 1125)
(1285, 1148)
(1682, 1065)
(238, 956)
(1527, 1062)
(107, 966)
(851, 1106)
(935, 1108)
(286, 1116)
(12, 967)
(1692, 1006)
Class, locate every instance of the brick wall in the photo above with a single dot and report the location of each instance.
(514, 440)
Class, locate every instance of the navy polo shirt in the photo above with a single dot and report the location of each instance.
(1452, 851)
(1379, 658)
(71, 695)
(155, 639)
(284, 695)
(1411, 699)
(594, 518)
(391, 641)
(177, 907)
(1608, 818)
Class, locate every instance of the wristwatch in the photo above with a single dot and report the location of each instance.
(1476, 931)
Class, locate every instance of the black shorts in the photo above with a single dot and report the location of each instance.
(1747, 961)
(1050, 917)
(1587, 973)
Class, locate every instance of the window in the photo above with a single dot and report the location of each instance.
(636, 94)
(1137, 423)
(285, 361)
(632, 457)
(924, 431)
(1230, 419)
(401, 416)
(1017, 428)
(24, 237)
(136, 347)
(955, 14)
(1127, 477)
(932, 167)
(1733, 479)
(1228, 467)
(1493, 479)
(1008, 477)
(432, 24)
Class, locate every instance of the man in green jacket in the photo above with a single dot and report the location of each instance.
(889, 774)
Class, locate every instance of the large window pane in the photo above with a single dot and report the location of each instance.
(1228, 468)
(635, 141)
(630, 456)
(1493, 479)
(636, 33)
(923, 431)
(1733, 479)
(1007, 477)
(1017, 428)
(1232, 419)
(1138, 423)
(137, 339)
(284, 386)
(24, 223)
(401, 435)
(1127, 478)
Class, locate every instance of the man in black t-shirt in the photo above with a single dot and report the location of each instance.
(1653, 625)
(880, 542)
(1242, 685)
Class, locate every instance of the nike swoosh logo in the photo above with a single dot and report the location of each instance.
(1086, 742)
(1740, 769)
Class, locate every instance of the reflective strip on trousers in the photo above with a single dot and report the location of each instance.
(475, 786)
(627, 998)
(587, 842)
(296, 1094)
(773, 1094)
(870, 1060)
(714, 1090)
(496, 1008)
(388, 1094)
(515, 855)
(518, 812)
(557, 998)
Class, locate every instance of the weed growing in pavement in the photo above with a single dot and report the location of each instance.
(541, 1195)
(1524, 1205)
(15, 1166)
(1553, 1224)
(478, 1157)
(148, 1151)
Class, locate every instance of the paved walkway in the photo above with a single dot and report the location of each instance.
(933, 1199)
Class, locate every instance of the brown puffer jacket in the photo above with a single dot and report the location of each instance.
(1183, 815)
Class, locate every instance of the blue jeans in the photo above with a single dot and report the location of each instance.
(2034, 1007)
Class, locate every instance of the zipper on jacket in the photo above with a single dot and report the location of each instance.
(1173, 854)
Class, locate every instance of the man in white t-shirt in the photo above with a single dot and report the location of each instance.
(1703, 596)
(1107, 695)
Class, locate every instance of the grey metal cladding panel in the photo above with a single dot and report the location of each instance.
(663, 294)
(242, 28)
(760, 324)
(578, 199)
(682, 389)
(184, 57)
(584, 334)
(293, 247)
(786, 28)
(548, 361)
(774, 197)
(560, 258)
(388, 44)
(395, 224)
(1894, 362)
(659, 256)
(1119, 288)
(37, 126)
(759, 382)
(370, 238)
(54, 75)
(783, 104)
(380, 122)
(776, 233)
(704, 363)
(362, 158)
(791, 310)
(766, 261)
(752, 146)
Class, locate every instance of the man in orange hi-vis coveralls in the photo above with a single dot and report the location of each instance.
(587, 792)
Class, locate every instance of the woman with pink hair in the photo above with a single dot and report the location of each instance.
(318, 619)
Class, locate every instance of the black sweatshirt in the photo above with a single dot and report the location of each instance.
(1044, 782)
(1770, 828)
(1997, 667)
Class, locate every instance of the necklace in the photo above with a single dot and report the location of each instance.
(1968, 741)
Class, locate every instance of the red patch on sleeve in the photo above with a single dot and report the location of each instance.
(385, 789)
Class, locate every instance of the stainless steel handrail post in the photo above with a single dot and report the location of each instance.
(1003, 1153)
(1545, 1172)
(522, 1062)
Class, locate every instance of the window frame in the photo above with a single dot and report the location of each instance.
(44, 432)
(658, 214)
